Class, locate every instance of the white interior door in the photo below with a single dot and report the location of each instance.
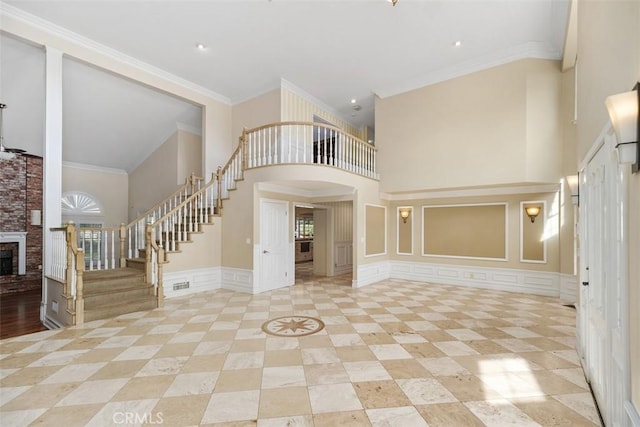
(602, 320)
(275, 254)
(596, 198)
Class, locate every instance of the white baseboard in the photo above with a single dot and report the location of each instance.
(51, 323)
(237, 279)
(371, 273)
(503, 279)
(632, 413)
(343, 269)
(569, 288)
(199, 280)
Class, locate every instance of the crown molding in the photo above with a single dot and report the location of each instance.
(113, 54)
(472, 192)
(93, 168)
(535, 50)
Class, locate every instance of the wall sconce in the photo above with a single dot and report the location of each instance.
(404, 214)
(623, 111)
(36, 217)
(574, 189)
(533, 212)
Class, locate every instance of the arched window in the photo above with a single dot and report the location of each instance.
(76, 203)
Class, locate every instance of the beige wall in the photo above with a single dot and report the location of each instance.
(258, 111)
(543, 121)
(164, 171)
(109, 188)
(204, 251)
(477, 231)
(568, 211)
(155, 178)
(189, 156)
(495, 126)
(609, 63)
(513, 231)
(375, 231)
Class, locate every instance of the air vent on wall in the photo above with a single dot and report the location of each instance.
(180, 285)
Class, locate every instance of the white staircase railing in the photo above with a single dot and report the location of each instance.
(174, 227)
(67, 267)
(135, 230)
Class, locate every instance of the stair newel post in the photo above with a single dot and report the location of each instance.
(160, 287)
(72, 240)
(219, 201)
(123, 243)
(148, 248)
(79, 287)
(192, 178)
(243, 145)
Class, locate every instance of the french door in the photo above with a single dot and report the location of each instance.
(602, 316)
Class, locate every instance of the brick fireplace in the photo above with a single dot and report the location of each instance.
(21, 180)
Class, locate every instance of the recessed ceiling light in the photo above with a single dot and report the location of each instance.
(457, 43)
(353, 101)
(200, 46)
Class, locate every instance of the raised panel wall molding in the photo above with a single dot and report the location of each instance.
(544, 283)
(371, 273)
(199, 280)
(237, 279)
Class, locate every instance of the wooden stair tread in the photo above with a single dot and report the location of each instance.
(96, 275)
(133, 304)
(112, 288)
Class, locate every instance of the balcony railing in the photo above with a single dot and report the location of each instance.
(308, 143)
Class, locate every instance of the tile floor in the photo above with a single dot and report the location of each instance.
(396, 353)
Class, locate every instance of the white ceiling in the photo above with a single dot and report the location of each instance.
(333, 50)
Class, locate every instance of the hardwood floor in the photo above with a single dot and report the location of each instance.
(20, 313)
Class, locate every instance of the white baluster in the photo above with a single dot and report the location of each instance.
(289, 144)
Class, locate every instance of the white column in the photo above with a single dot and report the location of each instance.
(52, 174)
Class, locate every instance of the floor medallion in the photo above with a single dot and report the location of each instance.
(293, 326)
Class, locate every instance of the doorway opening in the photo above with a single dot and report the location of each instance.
(323, 242)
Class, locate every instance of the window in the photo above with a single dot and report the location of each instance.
(304, 227)
(91, 242)
(77, 203)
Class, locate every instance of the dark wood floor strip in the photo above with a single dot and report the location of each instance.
(20, 313)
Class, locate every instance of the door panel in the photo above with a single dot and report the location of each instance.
(275, 257)
(602, 317)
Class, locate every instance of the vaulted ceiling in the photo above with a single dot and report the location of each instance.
(334, 50)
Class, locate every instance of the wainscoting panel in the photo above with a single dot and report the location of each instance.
(191, 281)
(526, 281)
(237, 279)
(371, 273)
(343, 257)
(569, 288)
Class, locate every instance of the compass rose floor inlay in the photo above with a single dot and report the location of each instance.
(293, 326)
